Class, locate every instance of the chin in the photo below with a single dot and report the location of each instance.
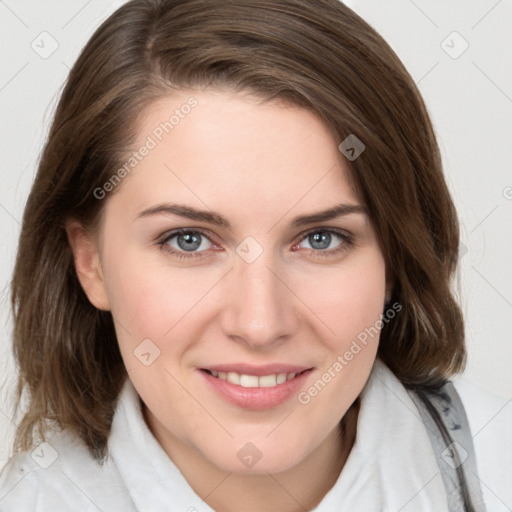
(249, 459)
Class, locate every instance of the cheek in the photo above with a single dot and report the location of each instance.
(167, 307)
(348, 299)
(350, 305)
(350, 302)
(150, 300)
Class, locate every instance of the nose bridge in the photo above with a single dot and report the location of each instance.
(260, 309)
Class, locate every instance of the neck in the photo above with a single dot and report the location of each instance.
(295, 490)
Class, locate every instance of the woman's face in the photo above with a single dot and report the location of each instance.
(236, 245)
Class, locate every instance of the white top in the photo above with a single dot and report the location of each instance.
(391, 467)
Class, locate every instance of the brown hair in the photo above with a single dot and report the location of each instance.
(316, 54)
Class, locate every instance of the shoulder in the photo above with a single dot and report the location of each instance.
(60, 474)
(490, 421)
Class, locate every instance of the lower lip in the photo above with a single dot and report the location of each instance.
(256, 399)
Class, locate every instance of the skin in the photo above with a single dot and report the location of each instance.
(259, 165)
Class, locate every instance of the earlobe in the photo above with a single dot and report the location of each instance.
(87, 264)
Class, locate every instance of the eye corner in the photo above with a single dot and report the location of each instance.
(296, 246)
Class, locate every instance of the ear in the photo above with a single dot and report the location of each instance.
(87, 264)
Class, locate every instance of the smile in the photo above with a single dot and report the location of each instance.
(256, 388)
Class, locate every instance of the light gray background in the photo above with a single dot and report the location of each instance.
(469, 96)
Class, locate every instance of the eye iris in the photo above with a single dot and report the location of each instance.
(189, 241)
(320, 240)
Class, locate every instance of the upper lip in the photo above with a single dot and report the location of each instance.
(250, 369)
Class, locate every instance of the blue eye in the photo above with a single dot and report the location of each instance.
(192, 243)
(323, 240)
(188, 241)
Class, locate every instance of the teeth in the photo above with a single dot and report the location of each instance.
(253, 381)
(234, 378)
(249, 381)
(267, 381)
(281, 378)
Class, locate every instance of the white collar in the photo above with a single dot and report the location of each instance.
(391, 466)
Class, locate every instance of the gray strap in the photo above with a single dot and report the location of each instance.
(445, 420)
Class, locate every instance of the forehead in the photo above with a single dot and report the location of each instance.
(231, 152)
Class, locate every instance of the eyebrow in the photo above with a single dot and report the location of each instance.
(218, 220)
(329, 214)
(188, 212)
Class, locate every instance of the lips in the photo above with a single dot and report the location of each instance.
(256, 387)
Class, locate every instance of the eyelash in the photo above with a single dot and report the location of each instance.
(347, 242)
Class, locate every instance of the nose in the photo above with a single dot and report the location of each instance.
(260, 310)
